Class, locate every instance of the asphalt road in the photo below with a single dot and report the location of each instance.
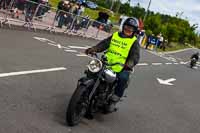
(34, 99)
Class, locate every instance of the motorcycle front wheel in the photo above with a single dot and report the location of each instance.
(77, 106)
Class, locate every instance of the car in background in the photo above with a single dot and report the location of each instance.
(81, 2)
(91, 5)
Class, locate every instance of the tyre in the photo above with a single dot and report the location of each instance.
(77, 106)
(193, 63)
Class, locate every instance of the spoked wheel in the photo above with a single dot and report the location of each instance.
(77, 106)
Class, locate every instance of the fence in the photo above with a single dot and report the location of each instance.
(36, 16)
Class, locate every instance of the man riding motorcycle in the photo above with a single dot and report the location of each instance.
(122, 47)
(195, 56)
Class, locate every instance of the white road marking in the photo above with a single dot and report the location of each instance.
(43, 39)
(177, 51)
(82, 55)
(69, 50)
(58, 45)
(78, 47)
(166, 82)
(31, 72)
(162, 56)
(176, 63)
(142, 64)
(195, 67)
(171, 59)
(168, 63)
(53, 44)
(183, 63)
(156, 64)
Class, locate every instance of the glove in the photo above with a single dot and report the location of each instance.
(90, 51)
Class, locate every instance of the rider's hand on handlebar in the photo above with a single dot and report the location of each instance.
(90, 51)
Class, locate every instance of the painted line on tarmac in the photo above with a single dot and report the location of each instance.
(184, 63)
(156, 64)
(31, 72)
(142, 64)
(58, 46)
(169, 63)
(43, 39)
(175, 63)
(162, 56)
(82, 55)
(78, 47)
(69, 50)
(177, 51)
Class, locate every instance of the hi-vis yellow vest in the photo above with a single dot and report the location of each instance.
(118, 51)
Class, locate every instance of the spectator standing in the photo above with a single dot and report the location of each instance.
(30, 9)
(20, 6)
(41, 8)
(161, 39)
(149, 41)
(64, 14)
(59, 8)
(4, 4)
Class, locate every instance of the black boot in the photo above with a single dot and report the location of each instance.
(111, 107)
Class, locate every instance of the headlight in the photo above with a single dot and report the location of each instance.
(95, 65)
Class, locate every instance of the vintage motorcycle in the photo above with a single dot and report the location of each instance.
(93, 92)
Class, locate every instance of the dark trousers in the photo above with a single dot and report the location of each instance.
(122, 83)
(4, 4)
(61, 21)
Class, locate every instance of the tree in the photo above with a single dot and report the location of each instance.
(125, 9)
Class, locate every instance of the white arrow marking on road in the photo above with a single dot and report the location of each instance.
(31, 71)
(166, 82)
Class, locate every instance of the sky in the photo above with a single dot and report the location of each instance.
(190, 8)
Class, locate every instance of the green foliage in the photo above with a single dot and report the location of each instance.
(138, 11)
(125, 9)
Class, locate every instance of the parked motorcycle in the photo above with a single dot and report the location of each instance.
(93, 92)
